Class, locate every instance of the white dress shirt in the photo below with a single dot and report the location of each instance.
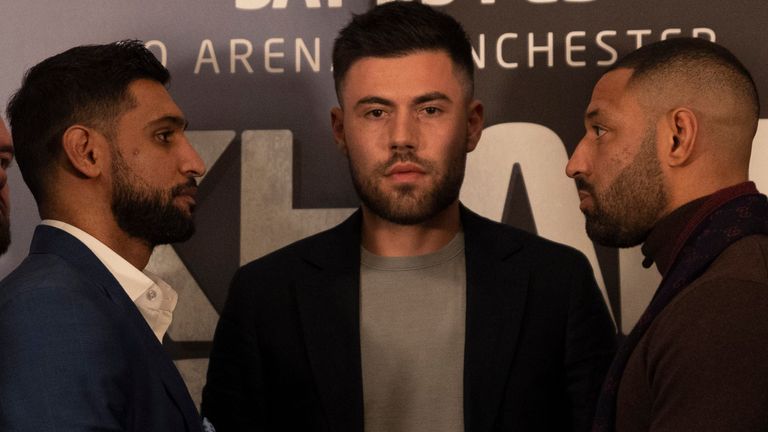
(154, 298)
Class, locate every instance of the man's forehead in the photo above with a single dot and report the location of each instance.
(152, 102)
(425, 60)
(148, 92)
(417, 71)
(611, 93)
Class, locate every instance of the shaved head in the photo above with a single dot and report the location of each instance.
(705, 77)
(669, 123)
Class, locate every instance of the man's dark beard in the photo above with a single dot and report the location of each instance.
(5, 233)
(624, 214)
(146, 213)
(405, 206)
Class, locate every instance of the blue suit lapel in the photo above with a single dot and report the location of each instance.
(49, 240)
(496, 294)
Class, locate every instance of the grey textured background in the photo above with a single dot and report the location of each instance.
(277, 175)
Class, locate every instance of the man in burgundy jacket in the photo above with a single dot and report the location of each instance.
(664, 162)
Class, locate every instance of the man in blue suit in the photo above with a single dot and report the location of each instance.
(101, 145)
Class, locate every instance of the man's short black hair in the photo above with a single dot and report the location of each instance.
(699, 61)
(85, 85)
(397, 29)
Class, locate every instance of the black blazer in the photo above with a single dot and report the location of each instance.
(75, 352)
(286, 353)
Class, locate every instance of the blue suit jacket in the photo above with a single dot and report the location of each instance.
(76, 354)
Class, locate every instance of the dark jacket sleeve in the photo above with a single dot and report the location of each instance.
(590, 345)
(233, 398)
(706, 359)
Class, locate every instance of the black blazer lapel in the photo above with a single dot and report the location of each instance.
(328, 297)
(496, 294)
(55, 241)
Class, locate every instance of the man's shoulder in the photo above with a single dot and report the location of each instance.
(38, 272)
(717, 320)
(745, 259)
(486, 231)
(733, 288)
(47, 288)
(62, 334)
(325, 245)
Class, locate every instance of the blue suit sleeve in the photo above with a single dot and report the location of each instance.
(61, 366)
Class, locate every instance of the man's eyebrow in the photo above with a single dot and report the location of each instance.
(374, 100)
(589, 115)
(428, 97)
(173, 119)
(432, 96)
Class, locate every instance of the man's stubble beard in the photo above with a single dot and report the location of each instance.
(407, 205)
(626, 212)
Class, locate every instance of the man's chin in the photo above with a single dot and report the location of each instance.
(168, 237)
(612, 235)
(171, 226)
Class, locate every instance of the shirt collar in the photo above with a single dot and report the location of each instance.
(659, 244)
(134, 281)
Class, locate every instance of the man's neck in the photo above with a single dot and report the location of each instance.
(659, 245)
(135, 251)
(105, 229)
(386, 238)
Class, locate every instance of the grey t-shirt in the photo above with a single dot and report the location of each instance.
(412, 326)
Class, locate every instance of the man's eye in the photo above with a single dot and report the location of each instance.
(5, 162)
(165, 136)
(598, 131)
(431, 110)
(376, 113)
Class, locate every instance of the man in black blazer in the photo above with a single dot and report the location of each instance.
(101, 145)
(6, 157)
(415, 314)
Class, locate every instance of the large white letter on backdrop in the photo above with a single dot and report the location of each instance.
(554, 199)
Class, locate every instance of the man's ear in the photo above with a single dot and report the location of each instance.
(475, 123)
(680, 142)
(83, 150)
(337, 125)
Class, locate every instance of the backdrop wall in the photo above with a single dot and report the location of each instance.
(254, 78)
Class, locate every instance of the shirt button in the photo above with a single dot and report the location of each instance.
(151, 294)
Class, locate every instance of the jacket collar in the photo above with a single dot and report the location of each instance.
(328, 297)
(50, 240)
(497, 286)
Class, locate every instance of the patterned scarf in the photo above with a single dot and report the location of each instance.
(725, 217)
